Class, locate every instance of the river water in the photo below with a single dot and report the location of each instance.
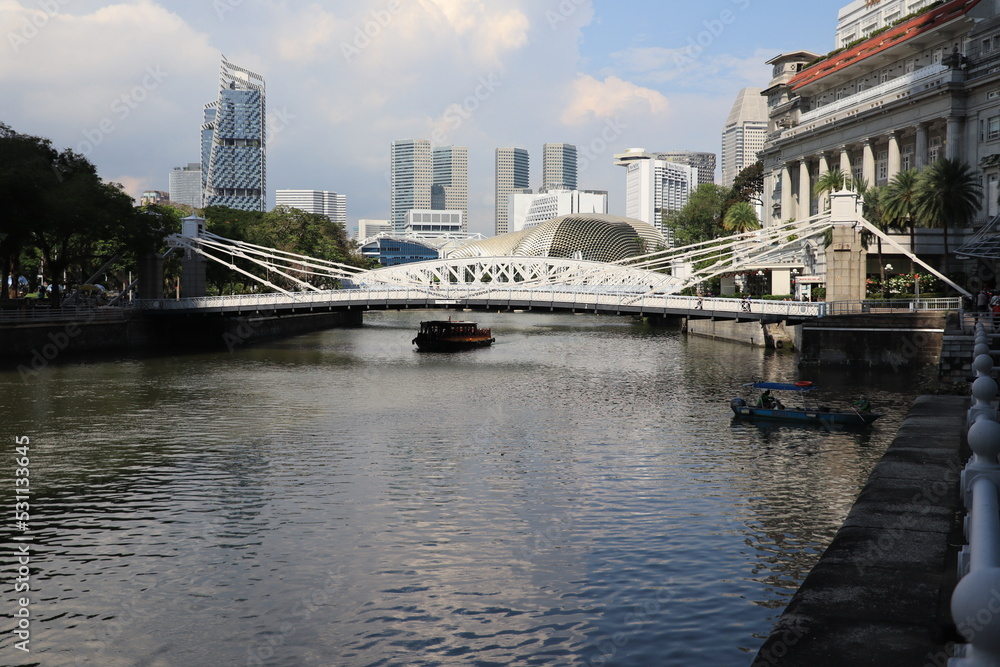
(577, 494)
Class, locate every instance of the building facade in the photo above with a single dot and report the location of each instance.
(654, 186)
(410, 180)
(368, 228)
(450, 181)
(861, 18)
(512, 176)
(744, 133)
(703, 162)
(529, 210)
(321, 202)
(233, 155)
(925, 88)
(558, 167)
(185, 185)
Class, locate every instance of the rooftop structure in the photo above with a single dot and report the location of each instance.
(596, 237)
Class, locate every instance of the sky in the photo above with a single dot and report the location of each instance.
(125, 82)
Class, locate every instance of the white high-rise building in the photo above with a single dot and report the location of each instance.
(705, 162)
(323, 202)
(558, 167)
(529, 210)
(654, 186)
(410, 179)
(744, 133)
(185, 185)
(511, 177)
(450, 181)
(368, 228)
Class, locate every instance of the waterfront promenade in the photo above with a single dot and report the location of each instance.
(880, 594)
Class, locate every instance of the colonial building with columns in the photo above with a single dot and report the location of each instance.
(924, 88)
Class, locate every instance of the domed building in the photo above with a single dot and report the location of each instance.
(597, 237)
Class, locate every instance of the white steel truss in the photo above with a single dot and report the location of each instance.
(668, 271)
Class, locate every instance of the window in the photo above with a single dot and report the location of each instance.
(986, 46)
(884, 76)
(934, 152)
(882, 166)
(993, 128)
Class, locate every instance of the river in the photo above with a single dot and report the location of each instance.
(577, 494)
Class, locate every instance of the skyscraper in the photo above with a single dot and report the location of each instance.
(450, 181)
(511, 177)
(654, 186)
(410, 179)
(233, 162)
(558, 167)
(185, 185)
(744, 133)
(323, 202)
(704, 162)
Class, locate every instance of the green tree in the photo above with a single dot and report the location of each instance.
(900, 204)
(63, 210)
(701, 219)
(828, 182)
(740, 217)
(948, 194)
(748, 185)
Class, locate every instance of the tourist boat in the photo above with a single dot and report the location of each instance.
(766, 407)
(450, 335)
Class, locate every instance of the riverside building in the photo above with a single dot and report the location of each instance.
(924, 88)
(233, 158)
(654, 186)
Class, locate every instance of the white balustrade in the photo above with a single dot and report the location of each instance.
(975, 603)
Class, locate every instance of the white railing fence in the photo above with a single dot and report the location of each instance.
(975, 603)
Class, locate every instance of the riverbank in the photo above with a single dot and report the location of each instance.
(880, 594)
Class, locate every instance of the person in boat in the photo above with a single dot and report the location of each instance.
(766, 400)
(863, 404)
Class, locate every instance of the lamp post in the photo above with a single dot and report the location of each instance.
(885, 282)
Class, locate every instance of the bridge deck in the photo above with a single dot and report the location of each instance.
(554, 299)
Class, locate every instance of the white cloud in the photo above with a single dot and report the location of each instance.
(592, 98)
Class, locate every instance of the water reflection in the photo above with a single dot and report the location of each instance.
(576, 493)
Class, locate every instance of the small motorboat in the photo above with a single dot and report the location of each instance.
(451, 335)
(769, 407)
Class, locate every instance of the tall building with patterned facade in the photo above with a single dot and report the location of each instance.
(233, 156)
(654, 186)
(450, 181)
(511, 177)
(927, 87)
(410, 179)
(558, 167)
(703, 162)
(322, 202)
(744, 133)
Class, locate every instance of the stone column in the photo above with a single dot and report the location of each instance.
(894, 161)
(846, 257)
(868, 162)
(805, 191)
(824, 167)
(953, 138)
(787, 209)
(845, 164)
(921, 149)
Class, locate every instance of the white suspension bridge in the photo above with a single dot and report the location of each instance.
(647, 284)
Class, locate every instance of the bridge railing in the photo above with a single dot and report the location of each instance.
(877, 306)
(64, 314)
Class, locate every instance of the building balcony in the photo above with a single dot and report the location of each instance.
(874, 98)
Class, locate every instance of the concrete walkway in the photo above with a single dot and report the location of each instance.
(881, 592)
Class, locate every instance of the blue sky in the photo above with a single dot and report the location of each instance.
(125, 82)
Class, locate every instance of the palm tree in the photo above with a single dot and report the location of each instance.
(873, 209)
(900, 204)
(948, 194)
(829, 181)
(741, 217)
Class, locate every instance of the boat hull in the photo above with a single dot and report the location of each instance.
(456, 344)
(818, 417)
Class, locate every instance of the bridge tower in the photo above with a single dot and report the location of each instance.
(846, 257)
(193, 265)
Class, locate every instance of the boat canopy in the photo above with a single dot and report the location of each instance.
(783, 386)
